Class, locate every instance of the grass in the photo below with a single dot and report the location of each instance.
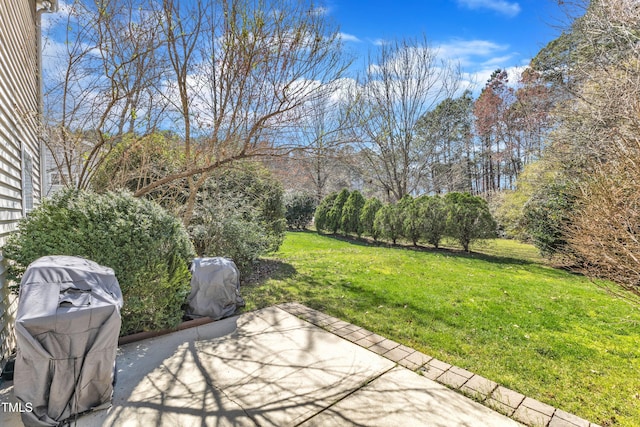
(499, 312)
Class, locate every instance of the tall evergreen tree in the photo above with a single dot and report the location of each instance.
(334, 216)
(351, 213)
(368, 215)
(388, 222)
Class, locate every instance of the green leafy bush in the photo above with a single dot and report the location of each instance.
(411, 219)
(351, 213)
(239, 214)
(546, 216)
(468, 218)
(250, 193)
(227, 226)
(321, 216)
(300, 208)
(368, 216)
(433, 212)
(334, 216)
(388, 222)
(146, 247)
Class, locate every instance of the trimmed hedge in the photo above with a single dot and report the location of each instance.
(461, 216)
(148, 249)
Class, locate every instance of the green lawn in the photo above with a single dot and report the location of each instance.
(501, 313)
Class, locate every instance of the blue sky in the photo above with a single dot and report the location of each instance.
(481, 34)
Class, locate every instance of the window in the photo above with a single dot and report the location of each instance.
(27, 183)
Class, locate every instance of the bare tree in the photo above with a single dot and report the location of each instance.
(261, 67)
(403, 81)
(231, 78)
(100, 86)
(325, 135)
(596, 141)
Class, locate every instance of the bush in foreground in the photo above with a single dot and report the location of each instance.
(146, 247)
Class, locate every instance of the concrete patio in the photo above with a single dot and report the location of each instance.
(271, 367)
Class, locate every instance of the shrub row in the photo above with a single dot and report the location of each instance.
(460, 216)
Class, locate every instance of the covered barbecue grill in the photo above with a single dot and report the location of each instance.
(67, 329)
(215, 288)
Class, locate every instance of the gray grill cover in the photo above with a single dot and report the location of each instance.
(67, 329)
(215, 288)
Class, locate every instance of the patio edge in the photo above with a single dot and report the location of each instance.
(517, 406)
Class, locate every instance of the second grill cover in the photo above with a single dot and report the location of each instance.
(215, 288)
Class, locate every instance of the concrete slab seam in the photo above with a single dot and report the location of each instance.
(360, 387)
(230, 398)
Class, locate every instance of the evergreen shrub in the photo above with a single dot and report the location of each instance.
(148, 249)
(300, 208)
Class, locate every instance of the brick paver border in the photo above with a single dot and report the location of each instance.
(523, 409)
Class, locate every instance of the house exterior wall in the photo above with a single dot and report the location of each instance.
(20, 154)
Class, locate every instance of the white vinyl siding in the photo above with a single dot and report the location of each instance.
(20, 186)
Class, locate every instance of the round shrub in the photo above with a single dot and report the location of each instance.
(300, 208)
(147, 248)
(250, 190)
(433, 212)
(546, 216)
(468, 219)
(228, 227)
(388, 222)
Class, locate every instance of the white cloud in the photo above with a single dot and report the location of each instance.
(348, 38)
(501, 6)
(342, 90)
(469, 52)
(497, 61)
(479, 59)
